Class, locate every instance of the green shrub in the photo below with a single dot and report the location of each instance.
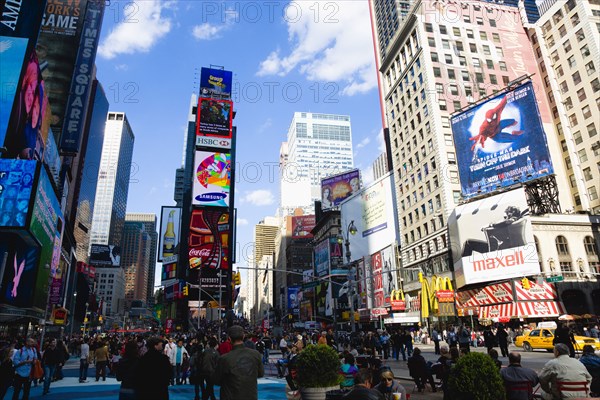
(318, 366)
(476, 377)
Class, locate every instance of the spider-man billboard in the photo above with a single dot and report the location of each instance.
(501, 142)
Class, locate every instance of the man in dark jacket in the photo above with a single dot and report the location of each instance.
(237, 372)
(417, 367)
(208, 364)
(154, 373)
(502, 337)
(362, 387)
(515, 375)
(53, 356)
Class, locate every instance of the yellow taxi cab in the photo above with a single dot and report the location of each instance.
(541, 338)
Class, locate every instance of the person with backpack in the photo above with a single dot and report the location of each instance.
(207, 364)
(22, 360)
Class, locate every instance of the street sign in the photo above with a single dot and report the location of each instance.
(310, 285)
(558, 278)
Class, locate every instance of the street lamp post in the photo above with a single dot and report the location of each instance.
(350, 230)
(85, 317)
(73, 313)
(47, 304)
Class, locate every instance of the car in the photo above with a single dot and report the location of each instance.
(542, 338)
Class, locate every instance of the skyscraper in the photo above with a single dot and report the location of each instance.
(89, 167)
(149, 222)
(319, 145)
(113, 181)
(134, 260)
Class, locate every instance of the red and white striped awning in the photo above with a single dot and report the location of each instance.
(497, 311)
(545, 291)
(487, 295)
(540, 309)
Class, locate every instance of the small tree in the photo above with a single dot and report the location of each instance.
(318, 367)
(476, 377)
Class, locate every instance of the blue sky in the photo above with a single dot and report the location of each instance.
(309, 55)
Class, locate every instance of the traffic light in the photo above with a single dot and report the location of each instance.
(525, 283)
(185, 290)
(237, 278)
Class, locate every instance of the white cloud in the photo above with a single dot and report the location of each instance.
(265, 125)
(242, 221)
(367, 176)
(380, 142)
(121, 67)
(139, 32)
(260, 197)
(207, 31)
(363, 143)
(334, 45)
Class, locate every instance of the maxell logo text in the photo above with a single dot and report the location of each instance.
(498, 262)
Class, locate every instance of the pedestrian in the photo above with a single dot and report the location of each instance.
(169, 351)
(84, 360)
(493, 353)
(435, 336)
(62, 359)
(563, 334)
(225, 346)
(53, 355)
(207, 366)
(502, 337)
(515, 374)
(388, 386)
(385, 344)
(592, 364)
(154, 372)
(488, 338)
(348, 370)
(322, 338)
(407, 345)
(562, 368)
(22, 360)
(417, 367)
(7, 369)
(176, 359)
(363, 382)
(101, 360)
(594, 332)
(126, 369)
(396, 344)
(464, 338)
(237, 372)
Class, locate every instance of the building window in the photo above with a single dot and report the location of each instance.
(590, 68)
(572, 62)
(582, 155)
(566, 267)
(577, 137)
(434, 57)
(473, 47)
(562, 247)
(502, 66)
(567, 46)
(573, 120)
(470, 33)
(591, 128)
(576, 78)
(585, 51)
(592, 192)
(493, 79)
(499, 52)
(581, 94)
(437, 72)
(586, 112)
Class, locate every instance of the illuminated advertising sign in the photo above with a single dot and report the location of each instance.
(169, 271)
(389, 273)
(169, 232)
(81, 84)
(103, 255)
(378, 291)
(336, 259)
(492, 239)
(215, 82)
(46, 226)
(338, 188)
(12, 54)
(52, 158)
(294, 299)
(21, 18)
(16, 180)
(322, 258)
(212, 179)
(302, 225)
(501, 142)
(31, 116)
(18, 283)
(371, 213)
(214, 118)
(208, 245)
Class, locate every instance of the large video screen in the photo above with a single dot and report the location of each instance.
(492, 239)
(338, 188)
(215, 82)
(501, 142)
(214, 118)
(12, 54)
(16, 180)
(212, 179)
(102, 255)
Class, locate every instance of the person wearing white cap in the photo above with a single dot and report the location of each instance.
(299, 345)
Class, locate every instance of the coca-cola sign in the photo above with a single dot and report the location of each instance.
(199, 252)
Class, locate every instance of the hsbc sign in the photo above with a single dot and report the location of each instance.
(208, 141)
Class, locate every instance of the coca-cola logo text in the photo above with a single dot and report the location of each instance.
(199, 252)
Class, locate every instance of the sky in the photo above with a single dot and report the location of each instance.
(312, 56)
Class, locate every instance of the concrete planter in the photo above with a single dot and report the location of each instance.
(316, 393)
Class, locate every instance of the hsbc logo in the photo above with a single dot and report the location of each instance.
(213, 142)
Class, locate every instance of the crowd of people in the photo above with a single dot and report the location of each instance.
(236, 357)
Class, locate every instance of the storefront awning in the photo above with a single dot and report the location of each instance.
(523, 309)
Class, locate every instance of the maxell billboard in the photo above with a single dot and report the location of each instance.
(214, 123)
(338, 188)
(492, 239)
(500, 142)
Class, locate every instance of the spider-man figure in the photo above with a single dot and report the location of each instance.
(493, 125)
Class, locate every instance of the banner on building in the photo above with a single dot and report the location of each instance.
(492, 239)
(294, 299)
(214, 118)
(212, 183)
(322, 258)
(338, 188)
(103, 255)
(302, 225)
(537, 291)
(215, 82)
(501, 142)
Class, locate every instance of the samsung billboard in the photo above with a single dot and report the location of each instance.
(492, 239)
(501, 142)
(212, 180)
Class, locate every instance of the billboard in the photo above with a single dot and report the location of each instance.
(500, 142)
(389, 273)
(169, 232)
(336, 259)
(212, 180)
(46, 226)
(492, 239)
(338, 188)
(302, 225)
(103, 255)
(16, 181)
(57, 49)
(208, 245)
(371, 213)
(322, 258)
(12, 54)
(215, 82)
(81, 84)
(377, 281)
(31, 117)
(18, 282)
(214, 118)
(294, 299)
